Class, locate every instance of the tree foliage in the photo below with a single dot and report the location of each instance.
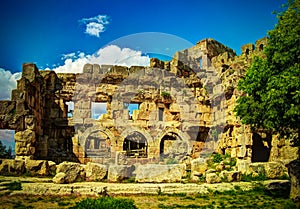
(272, 84)
(4, 152)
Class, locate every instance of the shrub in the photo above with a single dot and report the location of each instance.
(259, 177)
(165, 95)
(105, 203)
(217, 158)
(171, 161)
(13, 186)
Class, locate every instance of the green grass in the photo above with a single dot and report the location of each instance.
(20, 205)
(171, 161)
(129, 180)
(248, 178)
(105, 203)
(217, 158)
(237, 197)
(12, 186)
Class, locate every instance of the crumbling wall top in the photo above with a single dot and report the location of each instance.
(213, 48)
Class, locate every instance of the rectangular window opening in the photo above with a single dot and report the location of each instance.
(200, 62)
(70, 105)
(160, 114)
(131, 107)
(98, 109)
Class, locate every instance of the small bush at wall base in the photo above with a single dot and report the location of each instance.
(259, 177)
(13, 186)
(105, 203)
(171, 161)
(217, 158)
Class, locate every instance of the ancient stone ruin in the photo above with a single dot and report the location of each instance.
(145, 114)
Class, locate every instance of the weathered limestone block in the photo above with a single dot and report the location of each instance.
(212, 178)
(95, 171)
(37, 167)
(30, 122)
(155, 173)
(294, 173)
(88, 68)
(136, 69)
(135, 114)
(59, 178)
(230, 176)
(74, 172)
(220, 167)
(120, 70)
(243, 165)
(12, 167)
(117, 173)
(156, 63)
(278, 188)
(282, 149)
(7, 107)
(271, 170)
(82, 113)
(241, 152)
(198, 167)
(244, 139)
(52, 167)
(30, 71)
(24, 142)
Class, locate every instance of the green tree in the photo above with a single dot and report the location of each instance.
(5, 153)
(271, 85)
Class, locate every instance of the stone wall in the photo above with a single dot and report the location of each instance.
(183, 107)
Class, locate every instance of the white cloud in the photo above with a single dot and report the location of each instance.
(8, 82)
(110, 55)
(67, 56)
(95, 25)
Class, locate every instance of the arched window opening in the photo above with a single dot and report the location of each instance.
(261, 47)
(247, 52)
(98, 145)
(135, 145)
(173, 147)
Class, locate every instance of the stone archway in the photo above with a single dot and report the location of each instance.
(97, 142)
(135, 145)
(174, 144)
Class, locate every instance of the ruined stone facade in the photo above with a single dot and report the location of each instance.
(114, 114)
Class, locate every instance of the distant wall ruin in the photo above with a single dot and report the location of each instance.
(183, 107)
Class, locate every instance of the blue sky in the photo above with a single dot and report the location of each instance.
(42, 31)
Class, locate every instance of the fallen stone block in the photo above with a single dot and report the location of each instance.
(117, 173)
(155, 173)
(37, 167)
(212, 178)
(74, 172)
(95, 171)
(12, 167)
(230, 176)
